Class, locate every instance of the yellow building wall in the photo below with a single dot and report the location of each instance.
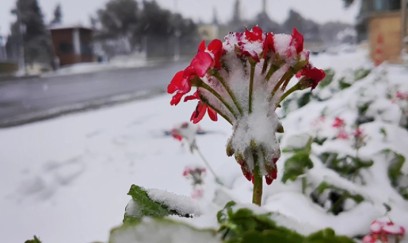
(385, 26)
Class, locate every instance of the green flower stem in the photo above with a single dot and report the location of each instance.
(271, 71)
(304, 185)
(205, 86)
(251, 86)
(217, 110)
(257, 192)
(229, 91)
(288, 78)
(284, 79)
(265, 65)
(217, 179)
(289, 91)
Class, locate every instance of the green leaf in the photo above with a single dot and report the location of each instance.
(396, 162)
(361, 73)
(336, 195)
(343, 84)
(161, 230)
(35, 240)
(297, 165)
(304, 99)
(142, 205)
(347, 166)
(328, 78)
(242, 225)
(327, 235)
(394, 169)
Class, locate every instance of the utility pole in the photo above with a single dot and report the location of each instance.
(21, 32)
(177, 34)
(264, 6)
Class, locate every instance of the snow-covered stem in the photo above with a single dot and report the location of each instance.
(272, 69)
(251, 86)
(217, 110)
(285, 78)
(229, 91)
(257, 180)
(203, 85)
(289, 91)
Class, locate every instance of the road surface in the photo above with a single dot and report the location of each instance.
(32, 99)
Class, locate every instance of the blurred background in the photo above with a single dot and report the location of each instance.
(59, 57)
(61, 41)
(39, 36)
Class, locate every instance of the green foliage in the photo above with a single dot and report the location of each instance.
(145, 206)
(343, 84)
(347, 166)
(319, 140)
(362, 113)
(161, 230)
(358, 74)
(243, 225)
(304, 99)
(361, 73)
(298, 163)
(337, 197)
(35, 240)
(36, 39)
(328, 79)
(396, 162)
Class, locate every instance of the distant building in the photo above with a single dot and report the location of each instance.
(208, 32)
(384, 24)
(72, 44)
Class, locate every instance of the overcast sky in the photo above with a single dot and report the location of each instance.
(78, 11)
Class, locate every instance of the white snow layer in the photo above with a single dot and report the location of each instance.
(73, 173)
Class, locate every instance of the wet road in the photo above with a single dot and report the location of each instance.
(32, 99)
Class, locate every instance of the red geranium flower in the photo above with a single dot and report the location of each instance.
(269, 44)
(313, 75)
(255, 34)
(338, 122)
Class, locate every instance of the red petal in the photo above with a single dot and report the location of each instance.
(212, 114)
(269, 44)
(175, 82)
(215, 47)
(297, 40)
(199, 112)
(201, 63)
(255, 34)
(176, 98)
(268, 180)
(195, 96)
(201, 47)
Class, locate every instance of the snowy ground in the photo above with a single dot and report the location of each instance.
(66, 179)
